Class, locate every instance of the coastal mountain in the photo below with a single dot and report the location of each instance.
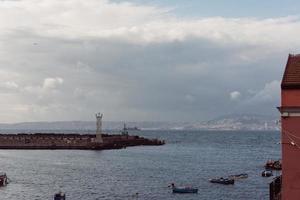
(229, 122)
(241, 122)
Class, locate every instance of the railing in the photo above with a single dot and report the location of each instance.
(275, 189)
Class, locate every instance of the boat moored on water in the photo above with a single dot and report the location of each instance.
(224, 181)
(238, 176)
(3, 179)
(183, 189)
(267, 173)
(273, 164)
(60, 196)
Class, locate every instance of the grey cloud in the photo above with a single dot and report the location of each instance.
(146, 70)
(127, 80)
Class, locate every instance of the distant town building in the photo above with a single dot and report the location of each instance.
(266, 126)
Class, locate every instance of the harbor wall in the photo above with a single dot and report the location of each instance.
(71, 141)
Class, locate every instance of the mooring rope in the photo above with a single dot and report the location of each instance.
(290, 136)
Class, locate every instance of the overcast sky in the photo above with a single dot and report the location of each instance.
(142, 60)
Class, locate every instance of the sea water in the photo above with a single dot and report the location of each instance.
(189, 158)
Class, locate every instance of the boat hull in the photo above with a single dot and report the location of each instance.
(185, 190)
(223, 181)
(238, 176)
(273, 165)
(267, 173)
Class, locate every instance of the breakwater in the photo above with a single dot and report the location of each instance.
(72, 141)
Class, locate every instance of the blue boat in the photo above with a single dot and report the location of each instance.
(183, 189)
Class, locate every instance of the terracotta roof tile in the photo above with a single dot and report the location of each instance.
(291, 77)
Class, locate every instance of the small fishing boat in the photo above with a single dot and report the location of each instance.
(183, 189)
(60, 196)
(273, 164)
(225, 181)
(267, 173)
(3, 179)
(238, 176)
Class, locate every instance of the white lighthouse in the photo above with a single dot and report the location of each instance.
(99, 128)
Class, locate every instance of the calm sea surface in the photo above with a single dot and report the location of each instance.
(188, 158)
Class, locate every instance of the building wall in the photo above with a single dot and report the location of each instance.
(290, 98)
(290, 153)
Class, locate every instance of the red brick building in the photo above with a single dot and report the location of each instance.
(290, 129)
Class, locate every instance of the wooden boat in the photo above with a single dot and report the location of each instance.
(238, 176)
(3, 179)
(60, 196)
(183, 189)
(273, 164)
(225, 181)
(267, 173)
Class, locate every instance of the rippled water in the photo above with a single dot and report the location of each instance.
(188, 158)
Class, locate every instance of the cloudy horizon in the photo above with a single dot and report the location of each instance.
(139, 61)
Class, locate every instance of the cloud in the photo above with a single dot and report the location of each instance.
(235, 95)
(190, 98)
(77, 19)
(11, 85)
(52, 83)
(65, 60)
(262, 101)
(270, 93)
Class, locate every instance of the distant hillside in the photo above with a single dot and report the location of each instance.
(242, 122)
(83, 125)
(229, 122)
